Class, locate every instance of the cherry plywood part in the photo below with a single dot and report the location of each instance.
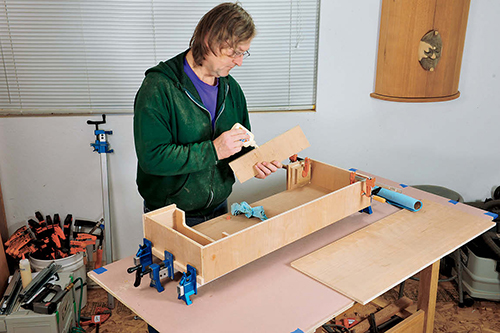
(280, 148)
(371, 261)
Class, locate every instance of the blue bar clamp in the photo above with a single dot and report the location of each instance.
(187, 286)
(143, 261)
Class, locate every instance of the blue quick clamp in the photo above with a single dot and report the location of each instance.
(143, 262)
(165, 268)
(100, 145)
(367, 210)
(144, 255)
(187, 286)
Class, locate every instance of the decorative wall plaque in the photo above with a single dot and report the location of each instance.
(429, 50)
(420, 50)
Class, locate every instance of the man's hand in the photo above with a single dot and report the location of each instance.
(264, 169)
(230, 143)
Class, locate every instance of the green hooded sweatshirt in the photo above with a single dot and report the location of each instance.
(177, 161)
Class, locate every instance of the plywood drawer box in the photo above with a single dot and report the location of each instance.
(221, 245)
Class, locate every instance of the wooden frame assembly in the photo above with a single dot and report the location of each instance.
(221, 245)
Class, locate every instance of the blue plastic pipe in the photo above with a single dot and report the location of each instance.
(399, 200)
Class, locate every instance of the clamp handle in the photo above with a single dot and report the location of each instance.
(138, 274)
(97, 122)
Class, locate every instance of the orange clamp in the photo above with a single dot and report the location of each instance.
(352, 177)
(307, 166)
(370, 184)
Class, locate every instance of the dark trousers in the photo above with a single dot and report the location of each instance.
(192, 221)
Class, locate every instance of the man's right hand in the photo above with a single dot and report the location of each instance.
(230, 143)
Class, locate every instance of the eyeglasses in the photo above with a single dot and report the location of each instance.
(237, 54)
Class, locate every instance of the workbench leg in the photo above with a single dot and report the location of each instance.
(427, 294)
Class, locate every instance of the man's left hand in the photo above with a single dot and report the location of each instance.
(264, 169)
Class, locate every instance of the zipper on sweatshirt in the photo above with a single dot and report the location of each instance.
(211, 198)
(201, 106)
(223, 107)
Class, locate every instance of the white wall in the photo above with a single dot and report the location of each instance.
(46, 163)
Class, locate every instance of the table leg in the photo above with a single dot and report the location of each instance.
(427, 294)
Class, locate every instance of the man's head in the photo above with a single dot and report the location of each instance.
(225, 26)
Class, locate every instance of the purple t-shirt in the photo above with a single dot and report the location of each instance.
(208, 93)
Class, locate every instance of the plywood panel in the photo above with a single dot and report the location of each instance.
(369, 262)
(273, 206)
(163, 237)
(280, 148)
(243, 247)
(329, 176)
(267, 295)
(226, 243)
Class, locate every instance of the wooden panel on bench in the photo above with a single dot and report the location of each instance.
(373, 260)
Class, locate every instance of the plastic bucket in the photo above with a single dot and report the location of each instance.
(71, 265)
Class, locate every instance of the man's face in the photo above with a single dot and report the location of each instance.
(225, 60)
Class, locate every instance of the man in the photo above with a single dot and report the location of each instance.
(183, 115)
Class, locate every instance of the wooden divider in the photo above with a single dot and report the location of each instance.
(329, 176)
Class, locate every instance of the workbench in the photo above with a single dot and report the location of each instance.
(269, 295)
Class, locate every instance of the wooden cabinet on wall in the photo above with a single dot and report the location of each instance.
(420, 50)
